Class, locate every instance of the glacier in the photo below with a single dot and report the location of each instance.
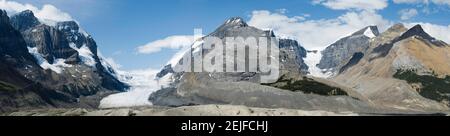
(143, 84)
(312, 59)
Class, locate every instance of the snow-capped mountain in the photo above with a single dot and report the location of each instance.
(61, 58)
(291, 52)
(244, 88)
(335, 55)
(358, 66)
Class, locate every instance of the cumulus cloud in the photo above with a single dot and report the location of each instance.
(353, 4)
(47, 14)
(438, 2)
(446, 2)
(317, 34)
(406, 14)
(410, 1)
(171, 42)
(425, 4)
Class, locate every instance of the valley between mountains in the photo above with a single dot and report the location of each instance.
(55, 69)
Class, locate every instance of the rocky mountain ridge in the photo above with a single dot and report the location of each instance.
(54, 66)
(335, 56)
(244, 88)
(403, 68)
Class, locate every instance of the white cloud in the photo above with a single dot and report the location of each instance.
(50, 12)
(47, 14)
(282, 11)
(438, 2)
(353, 4)
(447, 2)
(406, 14)
(171, 42)
(410, 1)
(317, 34)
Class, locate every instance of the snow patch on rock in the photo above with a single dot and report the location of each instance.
(85, 54)
(369, 33)
(57, 65)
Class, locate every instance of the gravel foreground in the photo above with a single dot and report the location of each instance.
(201, 110)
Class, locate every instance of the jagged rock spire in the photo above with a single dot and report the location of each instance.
(417, 30)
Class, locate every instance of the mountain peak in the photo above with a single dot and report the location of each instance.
(417, 30)
(397, 27)
(369, 31)
(236, 21)
(236, 26)
(24, 20)
(26, 12)
(4, 19)
(68, 25)
(71, 27)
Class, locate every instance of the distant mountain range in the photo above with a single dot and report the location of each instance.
(399, 70)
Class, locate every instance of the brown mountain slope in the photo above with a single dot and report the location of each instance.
(390, 54)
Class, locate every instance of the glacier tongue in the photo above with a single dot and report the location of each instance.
(312, 59)
(143, 84)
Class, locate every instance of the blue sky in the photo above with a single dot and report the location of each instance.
(120, 26)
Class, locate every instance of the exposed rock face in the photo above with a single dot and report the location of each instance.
(165, 71)
(291, 58)
(81, 41)
(68, 42)
(380, 76)
(12, 50)
(16, 65)
(12, 40)
(51, 43)
(24, 20)
(417, 30)
(74, 34)
(245, 88)
(45, 66)
(291, 52)
(338, 54)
